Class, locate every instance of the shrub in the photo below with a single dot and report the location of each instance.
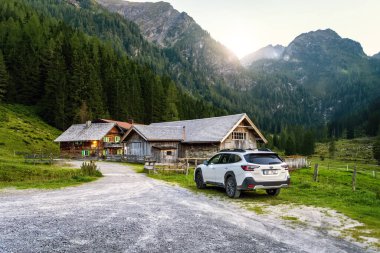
(90, 169)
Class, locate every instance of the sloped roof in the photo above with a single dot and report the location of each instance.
(159, 133)
(207, 129)
(121, 124)
(82, 132)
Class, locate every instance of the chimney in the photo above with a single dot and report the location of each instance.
(88, 124)
(130, 121)
(183, 133)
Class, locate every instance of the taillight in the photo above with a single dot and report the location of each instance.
(285, 166)
(250, 167)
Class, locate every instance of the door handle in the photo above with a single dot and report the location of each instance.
(226, 168)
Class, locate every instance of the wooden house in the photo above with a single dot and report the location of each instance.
(91, 140)
(166, 142)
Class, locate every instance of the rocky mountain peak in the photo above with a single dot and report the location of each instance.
(159, 21)
(321, 44)
(268, 52)
(177, 32)
(376, 56)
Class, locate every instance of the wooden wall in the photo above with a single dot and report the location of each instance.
(161, 151)
(74, 149)
(250, 142)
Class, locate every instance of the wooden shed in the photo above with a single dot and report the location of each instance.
(200, 138)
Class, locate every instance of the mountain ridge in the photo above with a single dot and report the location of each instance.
(163, 25)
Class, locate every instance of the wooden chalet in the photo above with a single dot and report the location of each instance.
(92, 140)
(200, 138)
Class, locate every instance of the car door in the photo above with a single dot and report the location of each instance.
(221, 168)
(208, 170)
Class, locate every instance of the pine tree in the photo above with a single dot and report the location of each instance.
(376, 150)
(332, 148)
(4, 78)
(308, 145)
(290, 148)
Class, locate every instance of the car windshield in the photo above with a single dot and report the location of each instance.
(265, 159)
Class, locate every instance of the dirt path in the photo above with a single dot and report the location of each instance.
(128, 212)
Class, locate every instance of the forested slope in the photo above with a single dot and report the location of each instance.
(72, 76)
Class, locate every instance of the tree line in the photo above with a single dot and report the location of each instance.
(71, 76)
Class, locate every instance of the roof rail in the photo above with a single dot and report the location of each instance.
(233, 150)
(264, 149)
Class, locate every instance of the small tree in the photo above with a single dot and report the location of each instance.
(290, 148)
(376, 150)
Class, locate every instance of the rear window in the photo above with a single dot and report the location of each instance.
(264, 159)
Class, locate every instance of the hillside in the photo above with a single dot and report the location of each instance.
(22, 131)
(71, 76)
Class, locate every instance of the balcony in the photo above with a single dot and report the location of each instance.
(113, 145)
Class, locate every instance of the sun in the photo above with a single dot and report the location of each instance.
(240, 45)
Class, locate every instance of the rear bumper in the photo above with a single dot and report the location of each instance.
(250, 184)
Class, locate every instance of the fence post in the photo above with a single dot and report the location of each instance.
(187, 167)
(315, 176)
(354, 179)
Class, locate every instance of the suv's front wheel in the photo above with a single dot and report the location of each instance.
(231, 188)
(199, 180)
(273, 192)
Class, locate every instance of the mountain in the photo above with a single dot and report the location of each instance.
(75, 59)
(268, 52)
(335, 72)
(376, 56)
(176, 31)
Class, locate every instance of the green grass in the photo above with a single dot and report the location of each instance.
(333, 190)
(21, 130)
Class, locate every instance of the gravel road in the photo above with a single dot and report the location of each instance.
(128, 212)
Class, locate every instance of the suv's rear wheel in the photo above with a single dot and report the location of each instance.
(231, 188)
(273, 192)
(199, 180)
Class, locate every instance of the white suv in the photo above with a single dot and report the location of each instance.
(239, 170)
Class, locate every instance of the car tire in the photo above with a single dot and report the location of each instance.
(199, 180)
(273, 192)
(231, 188)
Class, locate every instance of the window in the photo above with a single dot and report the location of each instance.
(169, 152)
(239, 135)
(106, 139)
(224, 158)
(215, 159)
(85, 152)
(117, 138)
(104, 152)
(265, 159)
(119, 151)
(234, 158)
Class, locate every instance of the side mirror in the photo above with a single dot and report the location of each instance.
(205, 162)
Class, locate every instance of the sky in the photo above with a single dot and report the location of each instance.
(245, 26)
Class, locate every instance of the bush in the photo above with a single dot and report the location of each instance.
(90, 169)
